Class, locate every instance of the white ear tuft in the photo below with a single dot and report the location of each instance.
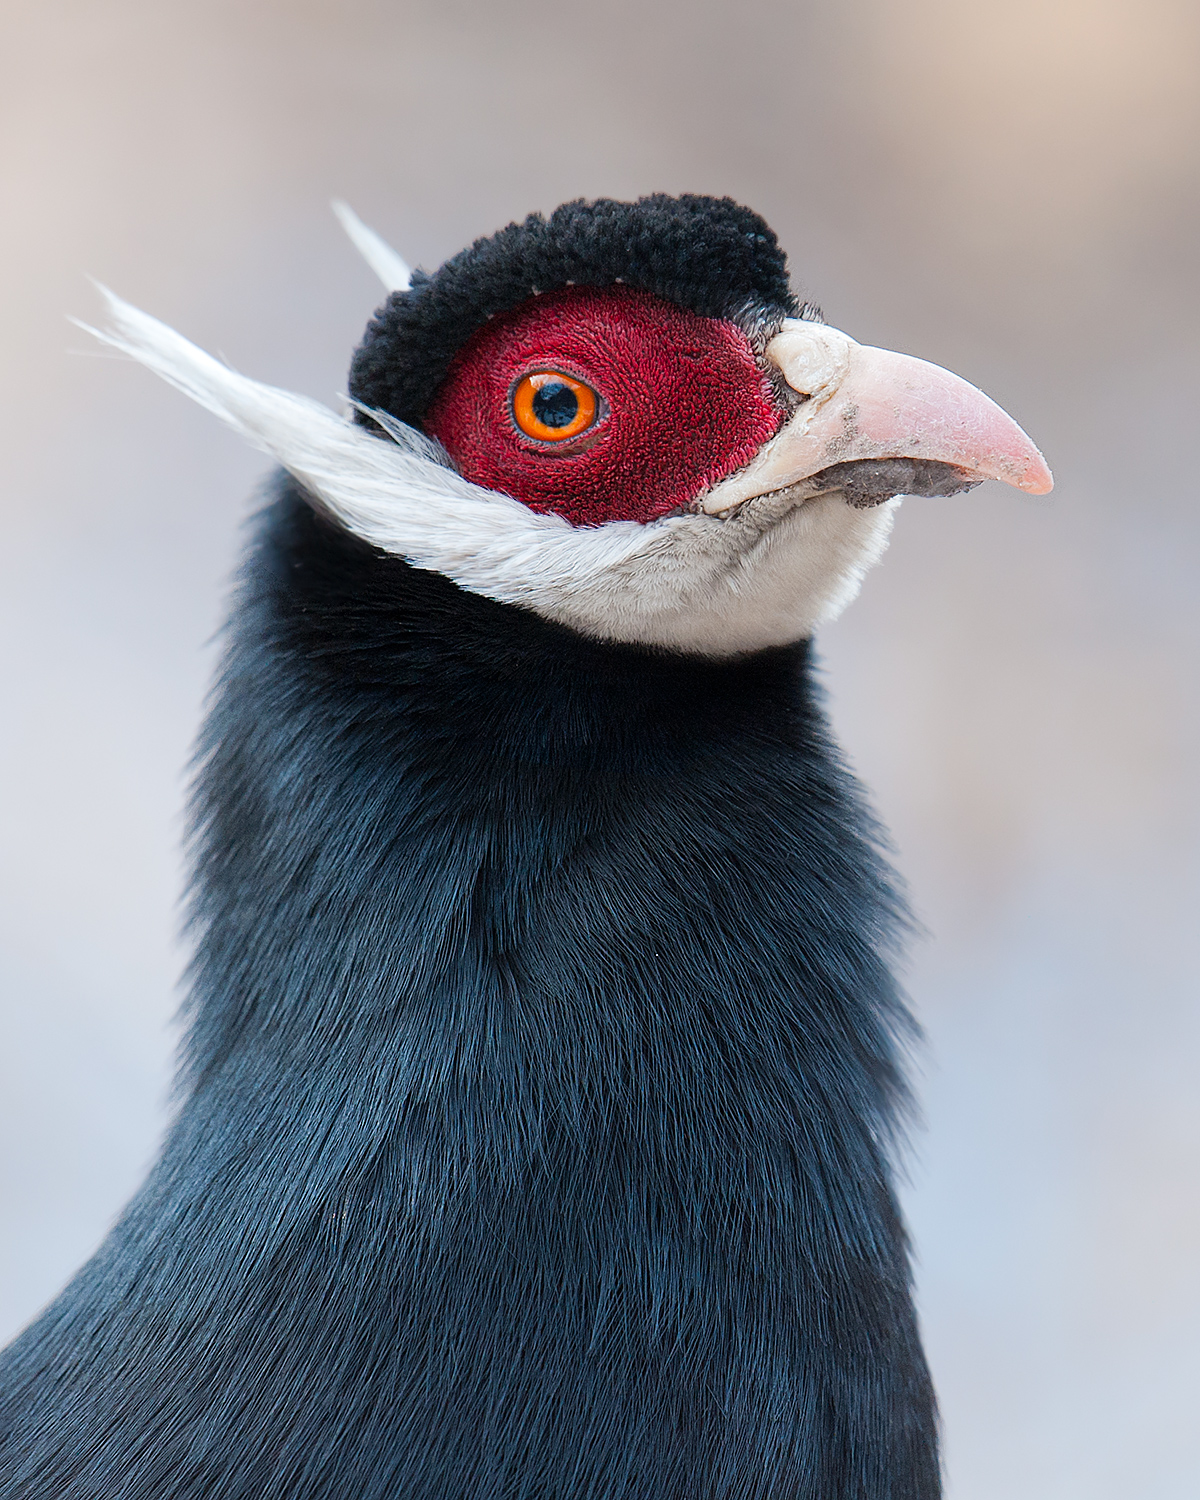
(396, 493)
(377, 253)
(692, 583)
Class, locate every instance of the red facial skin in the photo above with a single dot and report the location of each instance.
(683, 404)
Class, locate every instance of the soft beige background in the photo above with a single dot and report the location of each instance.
(1008, 188)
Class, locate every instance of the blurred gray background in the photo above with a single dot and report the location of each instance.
(1009, 189)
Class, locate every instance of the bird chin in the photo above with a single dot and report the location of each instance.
(765, 574)
(770, 569)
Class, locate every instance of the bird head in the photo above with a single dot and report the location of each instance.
(621, 418)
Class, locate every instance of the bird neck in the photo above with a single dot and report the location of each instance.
(474, 893)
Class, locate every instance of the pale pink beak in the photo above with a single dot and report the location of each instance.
(866, 403)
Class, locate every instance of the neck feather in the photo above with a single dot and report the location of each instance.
(470, 881)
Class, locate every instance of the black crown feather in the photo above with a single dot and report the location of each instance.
(710, 255)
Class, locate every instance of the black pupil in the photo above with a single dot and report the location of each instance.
(555, 404)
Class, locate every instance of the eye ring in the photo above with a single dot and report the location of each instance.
(552, 406)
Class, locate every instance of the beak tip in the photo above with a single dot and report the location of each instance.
(1038, 479)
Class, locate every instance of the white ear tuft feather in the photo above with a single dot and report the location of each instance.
(377, 253)
(398, 493)
(766, 575)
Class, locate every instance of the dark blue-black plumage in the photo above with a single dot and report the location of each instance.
(539, 1090)
(542, 1069)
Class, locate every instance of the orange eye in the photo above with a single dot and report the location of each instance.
(552, 407)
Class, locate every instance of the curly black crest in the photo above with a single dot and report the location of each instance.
(707, 254)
